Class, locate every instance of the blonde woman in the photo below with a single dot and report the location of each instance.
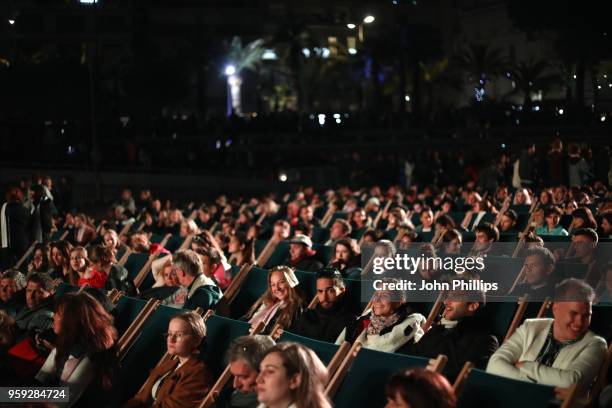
(281, 303)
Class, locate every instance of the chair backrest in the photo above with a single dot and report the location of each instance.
(260, 244)
(325, 351)
(254, 285)
(134, 264)
(482, 389)
(325, 253)
(145, 352)
(280, 254)
(220, 331)
(364, 384)
(320, 234)
(125, 312)
(174, 243)
(497, 316)
(308, 284)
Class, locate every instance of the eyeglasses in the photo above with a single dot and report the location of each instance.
(178, 335)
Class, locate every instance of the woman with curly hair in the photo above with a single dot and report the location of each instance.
(84, 358)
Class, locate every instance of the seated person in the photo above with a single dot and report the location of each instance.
(486, 235)
(584, 243)
(59, 260)
(281, 303)
(166, 287)
(291, 375)
(604, 293)
(552, 216)
(508, 222)
(83, 231)
(111, 239)
(214, 267)
(560, 351)
(347, 258)
(139, 242)
(103, 260)
(427, 221)
(301, 254)
(185, 380)
(332, 312)
(281, 231)
(12, 283)
(241, 249)
(36, 314)
(451, 242)
(244, 355)
(606, 224)
(539, 267)
(419, 388)
(201, 290)
(39, 262)
(460, 334)
(83, 272)
(85, 352)
(387, 325)
(339, 229)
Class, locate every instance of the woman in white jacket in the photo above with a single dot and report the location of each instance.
(387, 325)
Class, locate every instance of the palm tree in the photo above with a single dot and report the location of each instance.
(240, 59)
(531, 76)
(481, 64)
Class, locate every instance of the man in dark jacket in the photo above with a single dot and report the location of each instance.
(460, 334)
(538, 268)
(43, 211)
(331, 314)
(14, 219)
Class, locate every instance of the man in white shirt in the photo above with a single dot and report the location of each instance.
(559, 351)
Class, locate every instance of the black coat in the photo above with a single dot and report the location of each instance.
(468, 341)
(325, 324)
(18, 219)
(308, 264)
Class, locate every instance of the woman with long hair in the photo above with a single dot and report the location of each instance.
(281, 303)
(85, 356)
(347, 258)
(39, 262)
(582, 217)
(59, 260)
(241, 249)
(292, 376)
(103, 261)
(185, 380)
(82, 271)
(419, 388)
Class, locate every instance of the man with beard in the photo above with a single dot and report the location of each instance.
(330, 316)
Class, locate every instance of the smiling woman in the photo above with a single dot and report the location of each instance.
(281, 303)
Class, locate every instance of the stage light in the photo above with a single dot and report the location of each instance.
(269, 55)
(369, 19)
(282, 177)
(352, 51)
(306, 52)
(351, 26)
(230, 70)
(11, 21)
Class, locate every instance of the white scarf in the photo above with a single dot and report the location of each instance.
(4, 238)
